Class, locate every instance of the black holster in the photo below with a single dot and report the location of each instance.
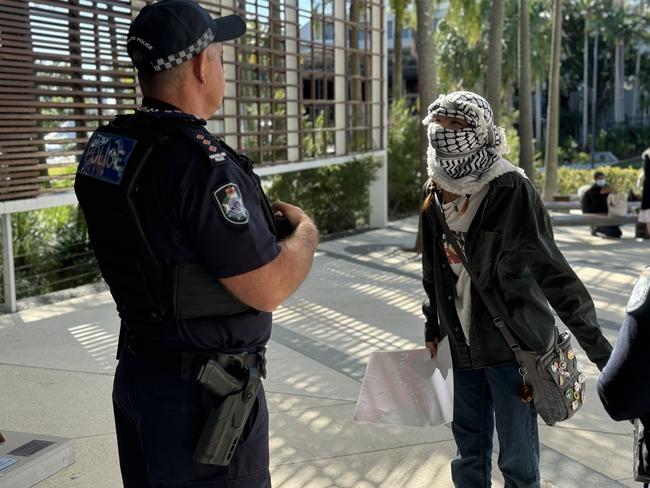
(225, 423)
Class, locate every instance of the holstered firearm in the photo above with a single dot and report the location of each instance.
(226, 422)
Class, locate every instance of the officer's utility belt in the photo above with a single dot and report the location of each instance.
(188, 364)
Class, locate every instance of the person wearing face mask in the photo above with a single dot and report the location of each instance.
(502, 227)
(594, 201)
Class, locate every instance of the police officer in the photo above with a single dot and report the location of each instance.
(624, 384)
(194, 258)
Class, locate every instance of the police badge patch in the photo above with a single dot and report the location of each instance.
(231, 203)
(639, 302)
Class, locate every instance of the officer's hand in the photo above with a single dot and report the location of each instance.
(433, 348)
(293, 214)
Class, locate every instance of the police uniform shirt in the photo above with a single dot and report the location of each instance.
(200, 204)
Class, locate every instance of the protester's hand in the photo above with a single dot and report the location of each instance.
(433, 348)
(293, 214)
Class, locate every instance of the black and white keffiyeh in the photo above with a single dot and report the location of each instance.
(463, 161)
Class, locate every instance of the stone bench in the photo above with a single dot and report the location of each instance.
(592, 219)
(575, 205)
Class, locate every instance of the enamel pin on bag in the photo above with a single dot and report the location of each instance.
(552, 380)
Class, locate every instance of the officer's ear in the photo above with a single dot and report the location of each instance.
(200, 66)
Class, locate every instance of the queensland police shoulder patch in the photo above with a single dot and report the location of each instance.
(231, 203)
(639, 301)
(105, 157)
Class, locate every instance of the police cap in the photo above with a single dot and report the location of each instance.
(170, 32)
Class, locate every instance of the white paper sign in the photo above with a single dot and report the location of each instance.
(408, 388)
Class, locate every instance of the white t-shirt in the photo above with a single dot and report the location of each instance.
(459, 224)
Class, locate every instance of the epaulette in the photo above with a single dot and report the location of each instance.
(209, 144)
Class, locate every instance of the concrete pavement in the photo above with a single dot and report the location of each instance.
(364, 294)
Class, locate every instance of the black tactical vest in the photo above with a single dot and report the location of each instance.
(145, 289)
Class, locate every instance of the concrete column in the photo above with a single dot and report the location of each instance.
(8, 272)
(229, 109)
(378, 195)
(379, 187)
(379, 78)
(136, 6)
(291, 59)
(340, 92)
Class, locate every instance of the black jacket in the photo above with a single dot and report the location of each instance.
(593, 201)
(510, 245)
(624, 384)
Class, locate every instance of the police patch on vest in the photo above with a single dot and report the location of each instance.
(105, 157)
(639, 299)
(231, 203)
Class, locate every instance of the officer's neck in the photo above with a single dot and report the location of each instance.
(187, 101)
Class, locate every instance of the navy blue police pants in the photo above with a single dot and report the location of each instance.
(158, 420)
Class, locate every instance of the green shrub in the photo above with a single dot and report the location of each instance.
(569, 152)
(569, 180)
(624, 141)
(404, 177)
(335, 196)
(51, 251)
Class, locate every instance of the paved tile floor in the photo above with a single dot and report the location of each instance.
(364, 294)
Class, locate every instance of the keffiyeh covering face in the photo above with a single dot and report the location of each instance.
(463, 155)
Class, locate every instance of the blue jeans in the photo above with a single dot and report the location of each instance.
(482, 396)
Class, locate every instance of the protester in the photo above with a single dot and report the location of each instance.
(506, 233)
(594, 201)
(189, 246)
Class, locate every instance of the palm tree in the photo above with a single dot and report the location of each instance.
(552, 119)
(494, 58)
(426, 53)
(540, 38)
(525, 112)
(399, 8)
(585, 75)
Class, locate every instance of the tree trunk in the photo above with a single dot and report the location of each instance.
(538, 115)
(426, 57)
(594, 99)
(494, 58)
(637, 84)
(525, 112)
(585, 85)
(553, 110)
(619, 111)
(398, 25)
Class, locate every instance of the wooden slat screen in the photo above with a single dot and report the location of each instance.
(63, 71)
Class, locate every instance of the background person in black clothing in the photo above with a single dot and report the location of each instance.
(595, 201)
(190, 249)
(644, 214)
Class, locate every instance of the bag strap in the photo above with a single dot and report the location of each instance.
(497, 317)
